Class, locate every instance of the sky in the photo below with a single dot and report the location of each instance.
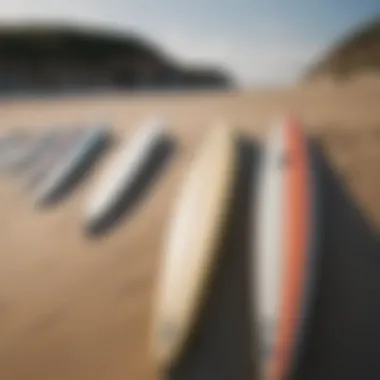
(263, 42)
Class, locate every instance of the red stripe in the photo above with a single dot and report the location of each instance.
(295, 248)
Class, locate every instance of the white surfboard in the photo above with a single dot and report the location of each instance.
(55, 153)
(284, 248)
(35, 149)
(269, 238)
(192, 244)
(72, 160)
(123, 170)
(14, 148)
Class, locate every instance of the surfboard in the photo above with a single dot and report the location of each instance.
(123, 170)
(51, 158)
(14, 147)
(284, 248)
(6, 144)
(192, 243)
(92, 140)
(35, 149)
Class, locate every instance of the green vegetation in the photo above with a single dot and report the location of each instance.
(359, 52)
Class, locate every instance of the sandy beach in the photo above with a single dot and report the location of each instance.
(78, 308)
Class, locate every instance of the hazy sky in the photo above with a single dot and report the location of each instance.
(260, 42)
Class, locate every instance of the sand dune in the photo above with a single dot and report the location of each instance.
(75, 308)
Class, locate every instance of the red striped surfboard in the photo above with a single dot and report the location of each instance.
(285, 248)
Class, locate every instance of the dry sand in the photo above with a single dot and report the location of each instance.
(75, 308)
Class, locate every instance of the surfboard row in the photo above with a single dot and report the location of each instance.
(49, 165)
(283, 253)
(45, 163)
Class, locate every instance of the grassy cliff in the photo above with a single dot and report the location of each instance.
(357, 53)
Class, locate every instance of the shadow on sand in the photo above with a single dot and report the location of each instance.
(130, 199)
(79, 175)
(342, 333)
